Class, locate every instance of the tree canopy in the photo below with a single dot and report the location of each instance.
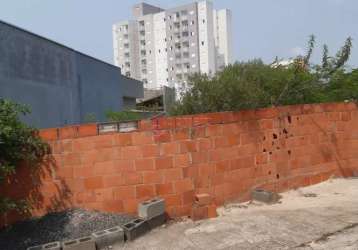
(254, 84)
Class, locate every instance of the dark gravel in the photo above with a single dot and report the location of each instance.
(70, 224)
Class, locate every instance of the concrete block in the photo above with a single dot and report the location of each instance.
(135, 228)
(109, 237)
(49, 246)
(265, 196)
(157, 221)
(152, 208)
(85, 243)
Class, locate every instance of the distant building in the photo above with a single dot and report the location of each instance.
(162, 47)
(60, 85)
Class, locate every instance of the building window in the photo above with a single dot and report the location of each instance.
(192, 23)
(165, 19)
(192, 33)
(159, 51)
(203, 20)
(202, 43)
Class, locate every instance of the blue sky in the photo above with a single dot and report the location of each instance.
(262, 28)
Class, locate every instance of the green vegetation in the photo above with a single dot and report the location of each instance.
(254, 84)
(113, 116)
(19, 144)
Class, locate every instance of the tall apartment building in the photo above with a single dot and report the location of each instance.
(162, 47)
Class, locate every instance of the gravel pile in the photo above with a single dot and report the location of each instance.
(60, 226)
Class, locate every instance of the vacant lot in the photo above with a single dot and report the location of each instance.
(324, 216)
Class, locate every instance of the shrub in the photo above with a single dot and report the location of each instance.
(113, 116)
(253, 84)
(19, 144)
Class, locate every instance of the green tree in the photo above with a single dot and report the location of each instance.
(254, 84)
(19, 144)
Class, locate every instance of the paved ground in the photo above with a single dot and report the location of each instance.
(324, 216)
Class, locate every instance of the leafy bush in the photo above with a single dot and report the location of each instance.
(254, 84)
(113, 116)
(19, 144)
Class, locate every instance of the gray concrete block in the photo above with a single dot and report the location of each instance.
(109, 237)
(49, 246)
(265, 196)
(135, 228)
(85, 243)
(152, 208)
(157, 221)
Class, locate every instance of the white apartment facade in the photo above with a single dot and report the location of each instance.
(162, 47)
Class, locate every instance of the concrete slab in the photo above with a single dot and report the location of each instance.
(316, 217)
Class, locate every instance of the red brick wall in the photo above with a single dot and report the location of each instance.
(223, 154)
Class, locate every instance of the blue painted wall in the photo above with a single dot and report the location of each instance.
(60, 85)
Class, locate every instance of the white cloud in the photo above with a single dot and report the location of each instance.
(297, 51)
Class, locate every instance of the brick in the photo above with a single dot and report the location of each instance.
(184, 122)
(151, 208)
(182, 160)
(188, 197)
(182, 186)
(214, 130)
(132, 178)
(144, 164)
(124, 193)
(150, 150)
(142, 138)
(93, 183)
(85, 243)
(135, 229)
(124, 165)
(110, 181)
(145, 125)
(51, 246)
(201, 119)
(169, 148)
(157, 221)
(152, 177)
(261, 158)
(50, 134)
(103, 141)
(71, 159)
(212, 213)
(173, 200)
(65, 172)
(145, 191)
(203, 199)
(68, 132)
(162, 136)
(181, 134)
(123, 139)
(200, 157)
(104, 168)
(83, 172)
(188, 146)
(130, 206)
(113, 237)
(198, 132)
(164, 189)
(199, 213)
(204, 144)
(164, 162)
(222, 166)
(172, 174)
(131, 153)
(87, 130)
(113, 206)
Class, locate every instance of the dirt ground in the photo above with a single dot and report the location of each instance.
(324, 216)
